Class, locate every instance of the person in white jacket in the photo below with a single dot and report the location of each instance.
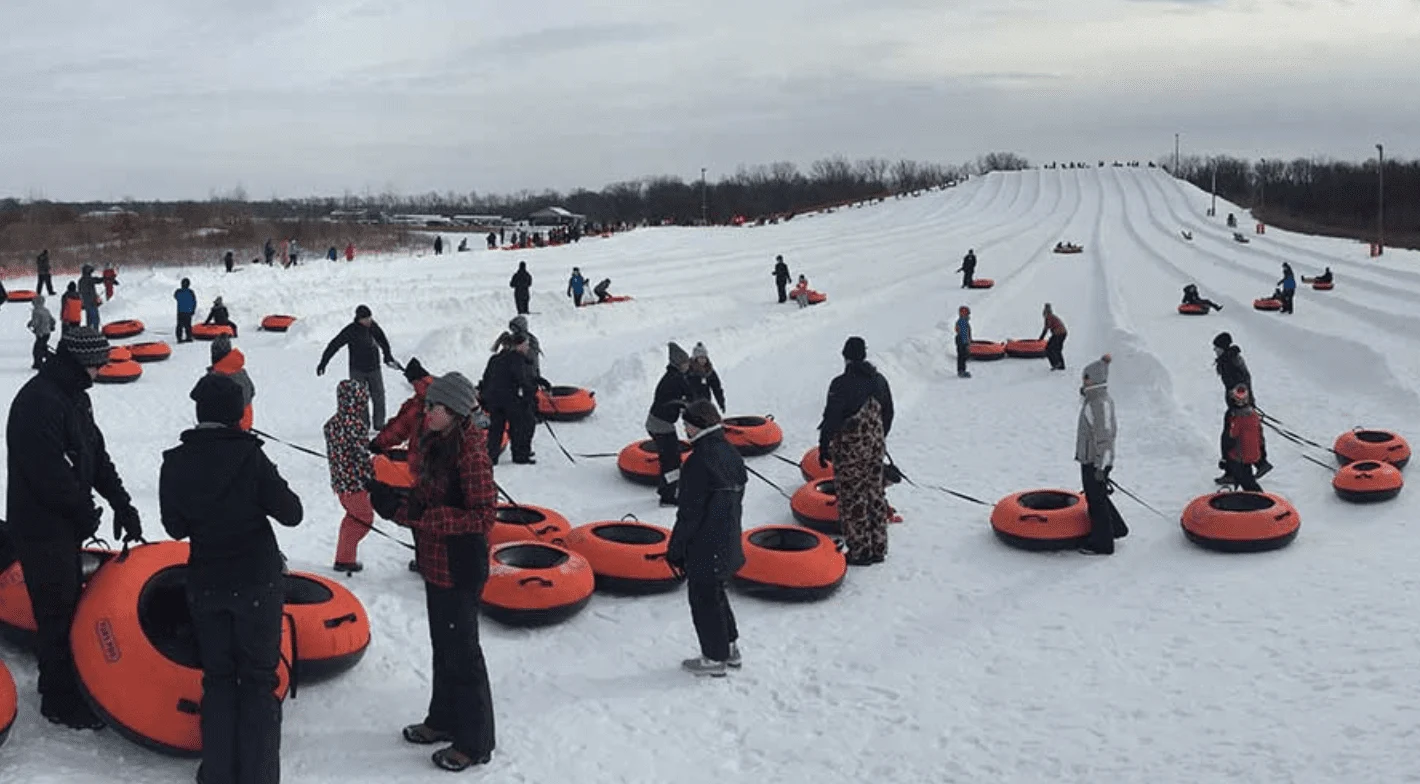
(1094, 451)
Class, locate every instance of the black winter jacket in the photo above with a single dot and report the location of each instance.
(706, 387)
(673, 392)
(522, 279)
(218, 315)
(508, 381)
(366, 344)
(1232, 370)
(781, 272)
(706, 539)
(56, 457)
(218, 488)
(847, 394)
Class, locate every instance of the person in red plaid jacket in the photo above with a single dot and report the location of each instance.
(347, 437)
(451, 510)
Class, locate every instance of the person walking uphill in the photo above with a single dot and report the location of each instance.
(218, 488)
(705, 543)
(1242, 440)
(43, 281)
(521, 284)
(1233, 372)
(1094, 451)
(186, 309)
(347, 444)
(781, 278)
(968, 269)
(673, 394)
(857, 418)
(576, 286)
(57, 460)
(963, 340)
(42, 325)
(230, 362)
(1055, 347)
(451, 510)
(366, 343)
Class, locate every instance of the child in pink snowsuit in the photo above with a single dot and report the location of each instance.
(347, 444)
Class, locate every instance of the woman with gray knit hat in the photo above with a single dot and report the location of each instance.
(673, 394)
(704, 381)
(451, 510)
(1094, 451)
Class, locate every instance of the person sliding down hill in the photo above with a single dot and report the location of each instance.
(781, 278)
(576, 286)
(1190, 297)
(1242, 440)
(218, 316)
(230, 362)
(704, 381)
(1232, 221)
(603, 290)
(857, 418)
(801, 292)
(1094, 451)
(509, 395)
(1233, 372)
(1055, 347)
(968, 268)
(673, 393)
(963, 338)
(1324, 277)
(521, 284)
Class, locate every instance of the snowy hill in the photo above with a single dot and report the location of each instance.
(959, 659)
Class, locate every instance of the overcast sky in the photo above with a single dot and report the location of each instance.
(181, 98)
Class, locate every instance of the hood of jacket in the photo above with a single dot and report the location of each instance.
(231, 363)
(352, 402)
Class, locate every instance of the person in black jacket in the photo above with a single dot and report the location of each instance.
(704, 381)
(1232, 371)
(781, 278)
(857, 418)
(509, 395)
(521, 284)
(367, 343)
(43, 280)
(705, 544)
(57, 459)
(218, 315)
(967, 269)
(673, 393)
(218, 488)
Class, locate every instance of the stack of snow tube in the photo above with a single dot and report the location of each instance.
(816, 506)
(122, 329)
(331, 627)
(1267, 304)
(987, 350)
(1241, 522)
(1025, 349)
(627, 556)
(277, 323)
(789, 563)
(1380, 445)
(1042, 519)
(982, 283)
(566, 404)
(1193, 309)
(525, 523)
(1367, 481)
(753, 435)
(536, 584)
(639, 463)
(132, 627)
(9, 703)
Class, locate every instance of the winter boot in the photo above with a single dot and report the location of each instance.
(702, 667)
(72, 713)
(349, 568)
(964, 374)
(1262, 468)
(734, 662)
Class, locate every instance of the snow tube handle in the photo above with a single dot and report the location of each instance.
(1394, 447)
(1283, 516)
(540, 581)
(655, 556)
(630, 516)
(334, 623)
(545, 529)
(1035, 517)
(189, 707)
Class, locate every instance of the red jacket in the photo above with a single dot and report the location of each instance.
(1054, 326)
(1244, 435)
(449, 504)
(407, 425)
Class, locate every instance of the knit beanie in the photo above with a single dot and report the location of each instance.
(219, 399)
(1097, 372)
(518, 324)
(701, 414)
(699, 352)
(221, 347)
(86, 345)
(362, 311)
(452, 391)
(854, 349)
(413, 371)
(677, 355)
(1223, 340)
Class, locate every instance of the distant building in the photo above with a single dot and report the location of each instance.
(482, 220)
(556, 216)
(108, 214)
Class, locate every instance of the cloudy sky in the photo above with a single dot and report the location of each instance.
(181, 98)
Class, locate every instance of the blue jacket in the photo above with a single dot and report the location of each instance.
(576, 285)
(186, 300)
(1289, 283)
(963, 331)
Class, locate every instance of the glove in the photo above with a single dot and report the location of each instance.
(320, 369)
(393, 365)
(384, 499)
(126, 524)
(544, 384)
(375, 447)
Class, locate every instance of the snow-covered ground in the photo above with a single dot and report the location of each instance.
(957, 660)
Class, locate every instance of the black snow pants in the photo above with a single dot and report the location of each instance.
(1241, 474)
(1106, 524)
(519, 421)
(520, 298)
(783, 294)
(1055, 351)
(462, 701)
(1287, 297)
(53, 576)
(668, 450)
(963, 353)
(714, 620)
(40, 350)
(44, 282)
(184, 328)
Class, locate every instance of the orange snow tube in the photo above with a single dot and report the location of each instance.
(155, 351)
(812, 471)
(9, 703)
(394, 473)
(817, 297)
(987, 350)
(592, 300)
(1025, 349)
(332, 628)
(1042, 519)
(627, 556)
(753, 435)
(982, 283)
(1319, 285)
(816, 506)
(210, 331)
(1368, 481)
(119, 354)
(122, 329)
(790, 563)
(1267, 304)
(17, 618)
(1379, 445)
(1193, 309)
(132, 626)
(1241, 522)
(524, 523)
(124, 372)
(20, 295)
(566, 404)
(535, 584)
(277, 323)
(639, 463)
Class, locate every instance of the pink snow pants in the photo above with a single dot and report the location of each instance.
(359, 516)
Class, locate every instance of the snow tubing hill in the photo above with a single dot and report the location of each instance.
(987, 350)
(789, 563)
(210, 331)
(277, 323)
(1367, 481)
(20, 295)
(753, 435)
(524, 523)
(607, 301)
(122, 329)
(816, 506)
(1042, 519)
(811, 470)
(535, 584)
(9, 703)
(1267, 304)
(566, 404)
(638, 461)
(124, 372)
(132, 627)
(1240, 522)
(628, 557)
(1193, 310)
(1379, 445)
(332, 629)
(17, 618)
(982, 283)
(152, 351)
(1025, 349)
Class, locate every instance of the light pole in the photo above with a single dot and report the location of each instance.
(1175, 155)
(704, 200)
(1262, 182)
(1380, 199)
(1213, 211)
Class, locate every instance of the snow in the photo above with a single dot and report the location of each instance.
(959, 659)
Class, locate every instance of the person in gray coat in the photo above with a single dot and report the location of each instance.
(705, 544)
(42, 324)
(1094, 451)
